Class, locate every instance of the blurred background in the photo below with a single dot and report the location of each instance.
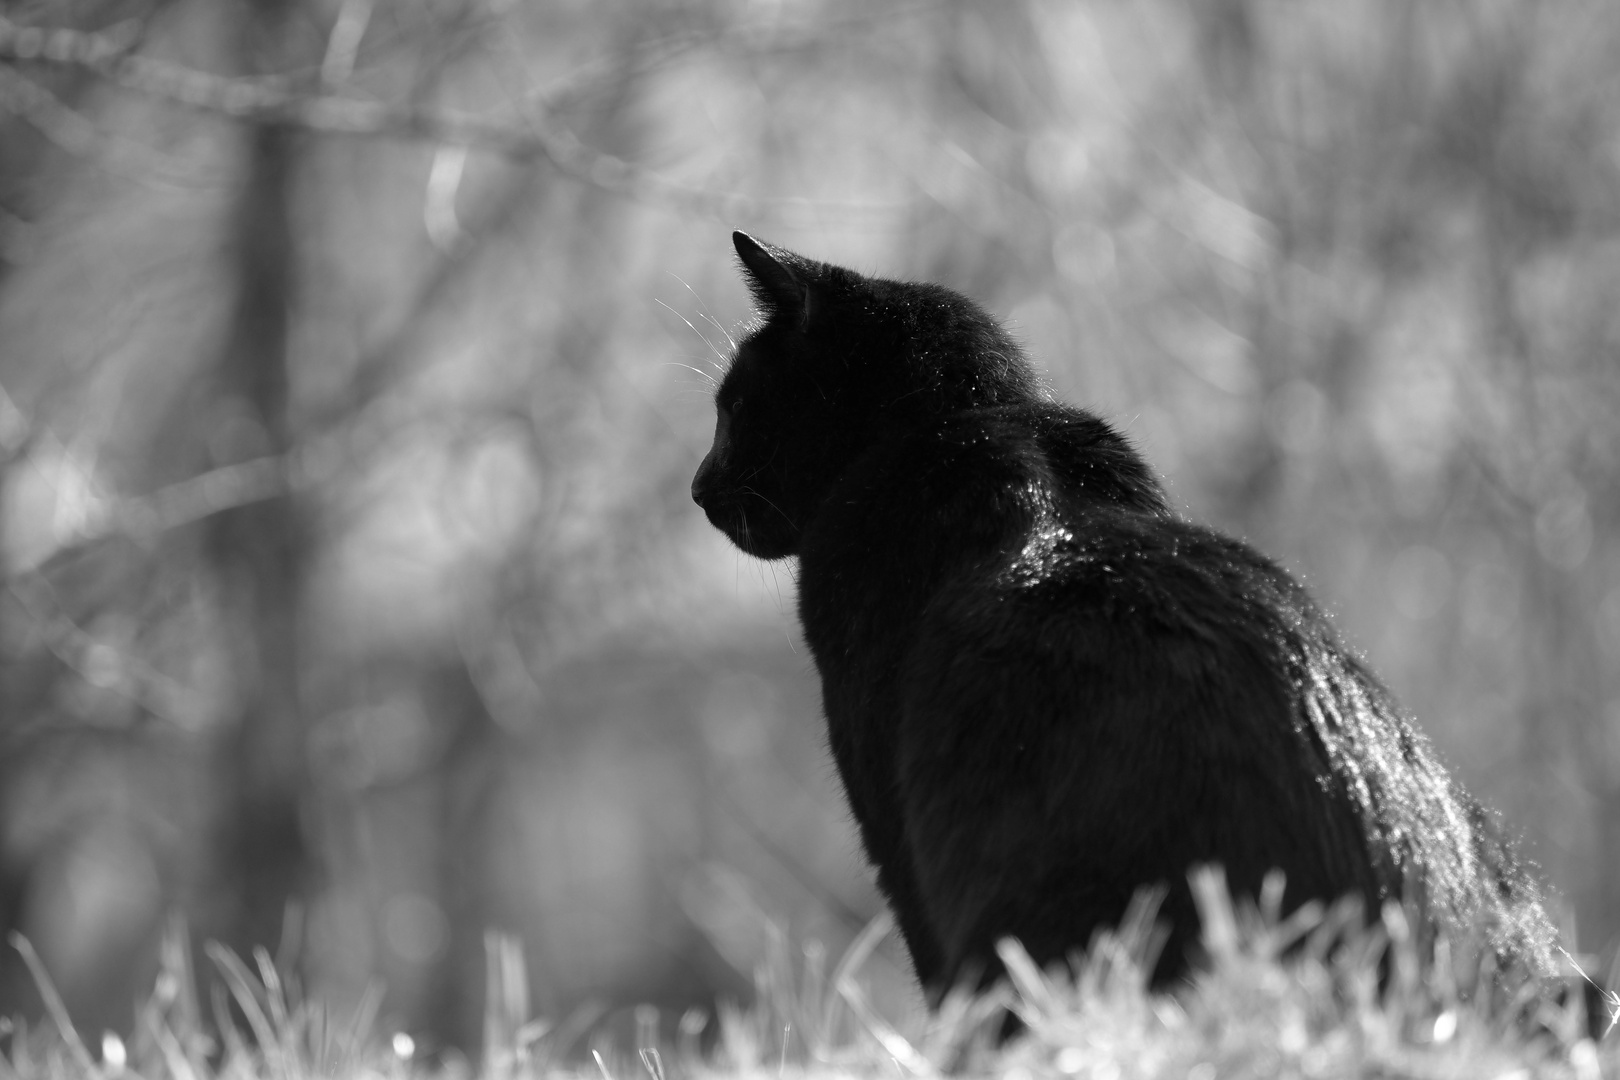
(355, 356)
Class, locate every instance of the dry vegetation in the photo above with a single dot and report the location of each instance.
(1318, 1013)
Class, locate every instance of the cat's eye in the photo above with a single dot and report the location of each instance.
(735, 407)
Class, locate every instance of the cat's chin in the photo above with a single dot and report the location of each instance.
(751, 539)
(769, 548)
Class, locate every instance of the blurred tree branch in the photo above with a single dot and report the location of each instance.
(185, 502)
(276, 99)
(307, 104)
(80, 136)
(102, 664)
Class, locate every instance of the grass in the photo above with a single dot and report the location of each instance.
(1295, 997)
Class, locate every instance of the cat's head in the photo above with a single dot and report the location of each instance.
(837, 362)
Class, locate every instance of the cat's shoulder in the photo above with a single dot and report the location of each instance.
(1043, 448)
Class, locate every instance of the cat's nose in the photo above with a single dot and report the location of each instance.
(700, 481)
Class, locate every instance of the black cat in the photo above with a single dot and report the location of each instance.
(1043, 689)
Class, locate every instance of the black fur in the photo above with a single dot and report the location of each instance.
(1044, 690)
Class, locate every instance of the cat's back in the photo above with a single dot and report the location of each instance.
(1082, 685)
(1030, 505)
(1140, 651)
(1036, 504)
(1023, 557)
(1077, 569)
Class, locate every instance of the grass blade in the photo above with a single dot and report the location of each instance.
(54, 1005)
(240, 981)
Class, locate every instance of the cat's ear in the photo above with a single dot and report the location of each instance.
(773, 280)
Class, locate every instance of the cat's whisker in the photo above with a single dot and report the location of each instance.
(692, 327)
(712, 321)
(703, 311)
(696, 371)
(756, 494)
(781, 602)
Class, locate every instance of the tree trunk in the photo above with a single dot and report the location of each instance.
(260, 550)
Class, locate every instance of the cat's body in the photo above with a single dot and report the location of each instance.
(1043, 690)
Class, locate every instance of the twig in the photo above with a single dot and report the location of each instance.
(181, 503)
(140, 517)
(279, 100)
(72, 132)
(159, 694)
